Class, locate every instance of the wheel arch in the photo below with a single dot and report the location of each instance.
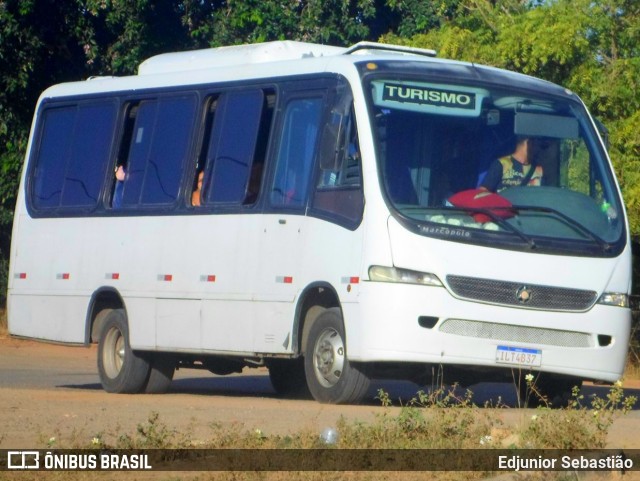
(102, 301)
(313, 299)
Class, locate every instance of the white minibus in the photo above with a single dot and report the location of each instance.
(335, 215)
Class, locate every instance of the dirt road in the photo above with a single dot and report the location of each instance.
(51, 391)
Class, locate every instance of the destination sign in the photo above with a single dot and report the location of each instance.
(429, 96)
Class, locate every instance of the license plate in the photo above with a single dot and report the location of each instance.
(518, 356)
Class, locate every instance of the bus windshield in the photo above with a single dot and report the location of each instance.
(494, 165)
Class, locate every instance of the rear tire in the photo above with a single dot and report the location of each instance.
(121, 370)
(331, 377)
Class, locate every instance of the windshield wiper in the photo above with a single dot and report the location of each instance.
(604, 245)
(498, 220)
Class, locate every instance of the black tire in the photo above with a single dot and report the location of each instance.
(553, 391)
(288, 378)
(331, 377)
(121, 370)
(162, 368)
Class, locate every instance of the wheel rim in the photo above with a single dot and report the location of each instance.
(114, 353)
(328, 357)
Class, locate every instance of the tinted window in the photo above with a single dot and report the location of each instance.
(339, 186)
(159, 146)
(296, 152)
(233, 145)
(73, 155)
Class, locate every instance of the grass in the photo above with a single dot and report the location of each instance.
(589, 421)
(441, 419)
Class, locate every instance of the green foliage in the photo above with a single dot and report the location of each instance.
(237, 22)
(150, 435)
(122, 34)
(437, 419)
(334, 22)
(580, 425)
(413, 17)
(546, 41)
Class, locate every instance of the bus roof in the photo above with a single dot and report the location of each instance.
(254, 61)
(237, 55)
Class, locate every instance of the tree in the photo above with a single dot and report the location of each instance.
(125, 33)
(333, 22)
(412, 17)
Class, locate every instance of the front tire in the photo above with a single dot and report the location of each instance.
(121, 370)
(331, 377)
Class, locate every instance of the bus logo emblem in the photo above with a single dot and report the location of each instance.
(524, 295)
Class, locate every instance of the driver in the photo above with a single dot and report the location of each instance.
(518, 169)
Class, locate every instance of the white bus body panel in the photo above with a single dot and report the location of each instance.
(211, 283)
(424, 254)
(390, 331)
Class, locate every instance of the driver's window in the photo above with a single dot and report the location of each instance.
(296, 152)
(339, 193)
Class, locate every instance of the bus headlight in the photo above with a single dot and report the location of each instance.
(404, 276)
(614, 299)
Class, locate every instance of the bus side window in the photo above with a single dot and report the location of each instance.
(159, 146)
(235, 153)
(339, 187)
(73, 155)
(296, 152)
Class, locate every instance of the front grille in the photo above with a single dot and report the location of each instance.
(509, 332)
(530, 296)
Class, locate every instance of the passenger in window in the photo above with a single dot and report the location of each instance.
(195, 196)
(118, 191)
(519, 169)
